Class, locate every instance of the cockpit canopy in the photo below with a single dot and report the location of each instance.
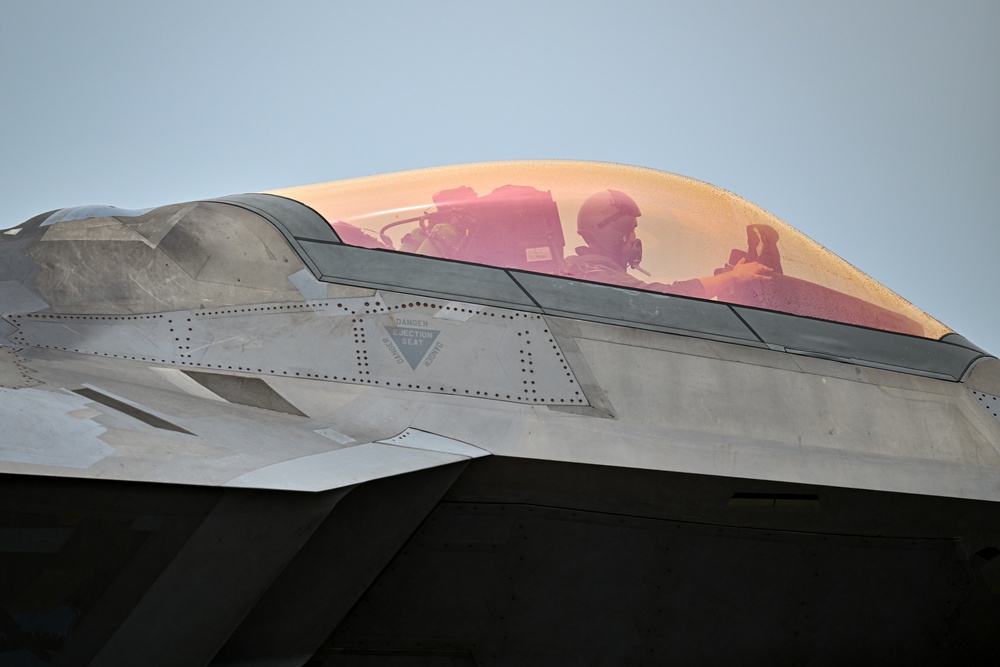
(523, 215)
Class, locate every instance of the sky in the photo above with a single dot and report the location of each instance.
(872, 127)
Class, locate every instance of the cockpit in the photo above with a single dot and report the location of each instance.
(543, 217)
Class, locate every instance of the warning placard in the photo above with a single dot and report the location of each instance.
(410, 341)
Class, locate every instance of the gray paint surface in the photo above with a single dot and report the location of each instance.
(303, 394)
(53, 429)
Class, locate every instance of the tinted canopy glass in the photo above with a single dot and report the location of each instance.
(612, 224)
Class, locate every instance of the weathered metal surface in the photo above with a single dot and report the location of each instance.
(677, 404)
(171, 258)
(989, 403)
(387, 340)
(409, 451)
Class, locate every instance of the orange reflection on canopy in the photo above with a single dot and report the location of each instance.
(696, 239)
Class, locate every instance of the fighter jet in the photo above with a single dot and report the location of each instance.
(519, 413)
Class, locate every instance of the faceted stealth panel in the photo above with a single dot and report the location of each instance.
(130, 410)
(989, 402)
(958, 339)
(226, 245)
(882, 349)
(417, 275)
(464, 349)
(16, 298)
(397, 342)
(245, 391)
(14, 372)
(49, 430)
(626, 307)
(14, 264)
(345, 467)
(171, 258)
(298, 221)
(414, 438)
(142, 337)
(310, 288)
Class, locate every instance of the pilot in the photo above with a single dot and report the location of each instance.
(607, 222)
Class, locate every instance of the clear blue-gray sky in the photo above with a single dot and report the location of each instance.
(870, 126)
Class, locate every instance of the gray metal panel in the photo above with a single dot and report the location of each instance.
(14, 263)
(245, 391)
(628, 307)
(175, 257)
(297, 219)
(426, 276)
(958, 339)
(989, 402)
(13, 373)
(396, 342)
(869, 347)
(289, 218)
(49, 430)
(344, 467)
(129, 409)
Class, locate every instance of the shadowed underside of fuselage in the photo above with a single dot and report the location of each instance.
(254, 431)
(500, 561)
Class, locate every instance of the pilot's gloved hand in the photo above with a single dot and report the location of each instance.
(743, 271)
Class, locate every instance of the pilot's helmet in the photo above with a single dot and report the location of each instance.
(606, 219)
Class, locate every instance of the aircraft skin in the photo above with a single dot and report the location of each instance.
(249, 431)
